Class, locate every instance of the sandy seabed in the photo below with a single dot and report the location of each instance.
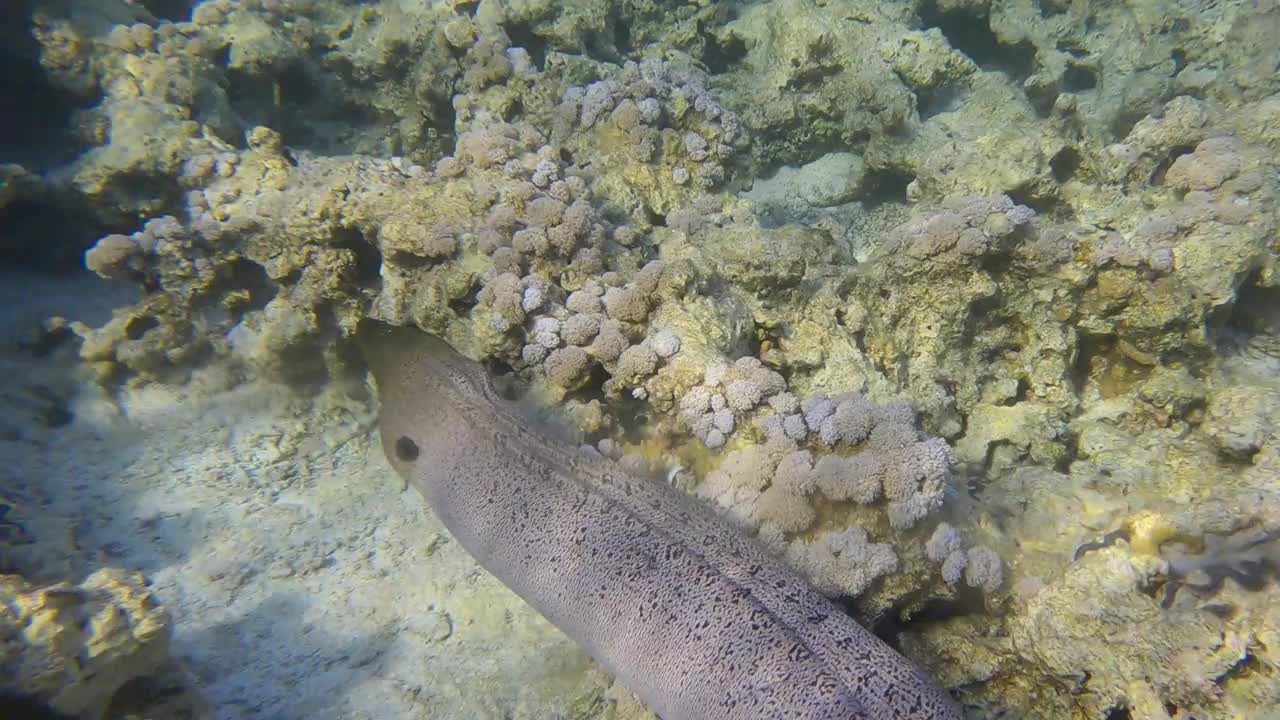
(303, 581)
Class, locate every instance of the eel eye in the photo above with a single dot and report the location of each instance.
(406, 449)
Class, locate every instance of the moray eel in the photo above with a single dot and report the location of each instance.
(684, 609)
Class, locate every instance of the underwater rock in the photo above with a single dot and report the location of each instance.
(1241, 419)
(1166, 657)
(75, 647)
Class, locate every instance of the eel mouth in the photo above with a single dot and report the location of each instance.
(391, 350)
(381, 351)
(405, 361)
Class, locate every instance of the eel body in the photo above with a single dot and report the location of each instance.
(687, 611)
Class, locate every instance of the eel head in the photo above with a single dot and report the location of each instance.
(424, 386)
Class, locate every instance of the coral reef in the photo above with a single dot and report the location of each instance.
(966, 307)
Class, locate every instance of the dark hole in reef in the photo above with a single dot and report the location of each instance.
(1120, 712)
(622, 36)
(944, 98)
(1042, 96)
(815, 76)
(1248, 665)
(1078, 78)
(57, 415)
(1064, 164)
(13, 705)
(983, 312)
(138, 326)
(1019, 394)
(14, 16)
(47, 342)
(461, 306)
(406, 449)
(440, 118)
(1157, 175)
(889, 626)
(296, 85)
(771, 336)
(992, 354)
(1091, 346)
(512, 387)
(1041, 203)
(296, 100)
(350, 364)
(635, 419)
(1221, 610)
(594, 386)
(1122, 124)
(722, 56)
(40, 234)
(467, 8)
(1256, 311)
(1049, 8)
(411, 261)
(1179, 58)
(171, 10)
(498, 369)
(146, 194)
(971, 34)
(1063, 463)
(523, 36)
(368, 258)
(973, 475)
(304, 363)
(139, 697)
(1072, 49)
(1153, 587)
(222, 58)
(252, 97)
(982, 471)
(40, 136)
(887, 185)
(247, 275)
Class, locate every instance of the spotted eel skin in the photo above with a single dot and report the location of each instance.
(684, 609)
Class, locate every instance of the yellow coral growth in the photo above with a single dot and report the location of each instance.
(1148, 530)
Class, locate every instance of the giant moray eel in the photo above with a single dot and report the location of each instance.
(687, 611)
